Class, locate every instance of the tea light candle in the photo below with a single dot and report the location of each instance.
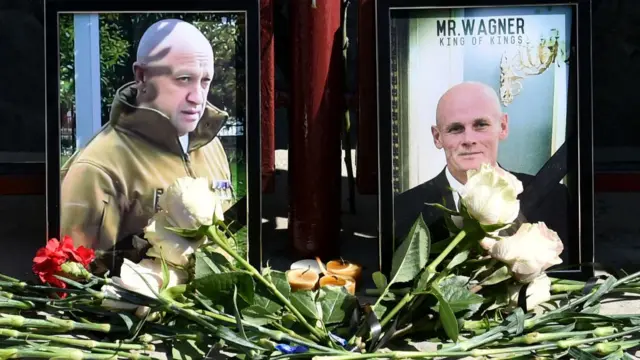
(344, 268)
(339, 280)
(310, 264)
(302, 279)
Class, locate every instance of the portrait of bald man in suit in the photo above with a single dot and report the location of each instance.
(161, 128)
(469, 127)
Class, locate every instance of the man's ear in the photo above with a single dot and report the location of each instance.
(138, 74)
(504, 126)
(436, 137)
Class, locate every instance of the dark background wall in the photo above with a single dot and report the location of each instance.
(616, 59)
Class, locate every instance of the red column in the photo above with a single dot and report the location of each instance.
(316, 114)
(267, 89)
(367, 159)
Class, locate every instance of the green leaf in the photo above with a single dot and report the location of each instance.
(210, 263)
(214, 284)
(228, 335)
(458, 259)
(412, 255)
(497, 276)
(423, 281)
(581, 355)
(174, 292)
(279, 279)
(126, 318)
(381, 308)
(304, 301)
(266, 305)
(165, 273)
(616, 355)
(517, 319)
(556, 327)
(187, 350)
(483, 268)
(258, 315)
(494, 227)
(581, 316)
(447, 317)
(443, 208)
(337, 304)
(379, 280)
(602, 289)
(501, 300)
(593, 309)
(454, 291)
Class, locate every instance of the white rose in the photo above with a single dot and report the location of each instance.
(538, 292)
(191, 203)
(491, 195)
(487, 243)
(132, 277)
(530, 251)
(174, 248)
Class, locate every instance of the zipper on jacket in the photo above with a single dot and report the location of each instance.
(187, 164)
(186, 160)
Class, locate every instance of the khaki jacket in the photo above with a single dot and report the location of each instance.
(110, 188)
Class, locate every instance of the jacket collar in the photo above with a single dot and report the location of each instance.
(156, 127)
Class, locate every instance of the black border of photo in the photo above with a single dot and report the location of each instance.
(252, 129)
(579, 149)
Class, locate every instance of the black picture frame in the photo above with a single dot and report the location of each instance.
(247, 210)
(576, 153)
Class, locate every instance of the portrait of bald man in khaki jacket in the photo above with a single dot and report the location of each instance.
(161, 127)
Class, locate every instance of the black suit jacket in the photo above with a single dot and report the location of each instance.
(552, 208)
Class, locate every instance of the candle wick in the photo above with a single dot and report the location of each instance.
(308, 268)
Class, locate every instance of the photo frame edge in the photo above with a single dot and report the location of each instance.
(252, 80)
(584, 91)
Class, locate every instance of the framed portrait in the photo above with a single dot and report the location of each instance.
(140, 94)
(502, 82)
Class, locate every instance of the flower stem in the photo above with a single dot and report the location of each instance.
(405, 299)
(254, 272)
(565, 344)
(89, 344)
(16, 304)
(55, 324)
(373, 292)
(285, 334)
(50, 352)
(431, 269)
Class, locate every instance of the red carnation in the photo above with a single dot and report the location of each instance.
(80, 255)
(49, 259)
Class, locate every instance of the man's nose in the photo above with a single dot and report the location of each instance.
(469, 137)
(196, 96)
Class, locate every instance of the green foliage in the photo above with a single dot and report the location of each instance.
(114, 50)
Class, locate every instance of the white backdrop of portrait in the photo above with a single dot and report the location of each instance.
(428, 62)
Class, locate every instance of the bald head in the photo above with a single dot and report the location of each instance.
(468, 94)
(469, 125)
(170, 36)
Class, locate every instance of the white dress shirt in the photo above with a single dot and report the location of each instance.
(455, 185)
